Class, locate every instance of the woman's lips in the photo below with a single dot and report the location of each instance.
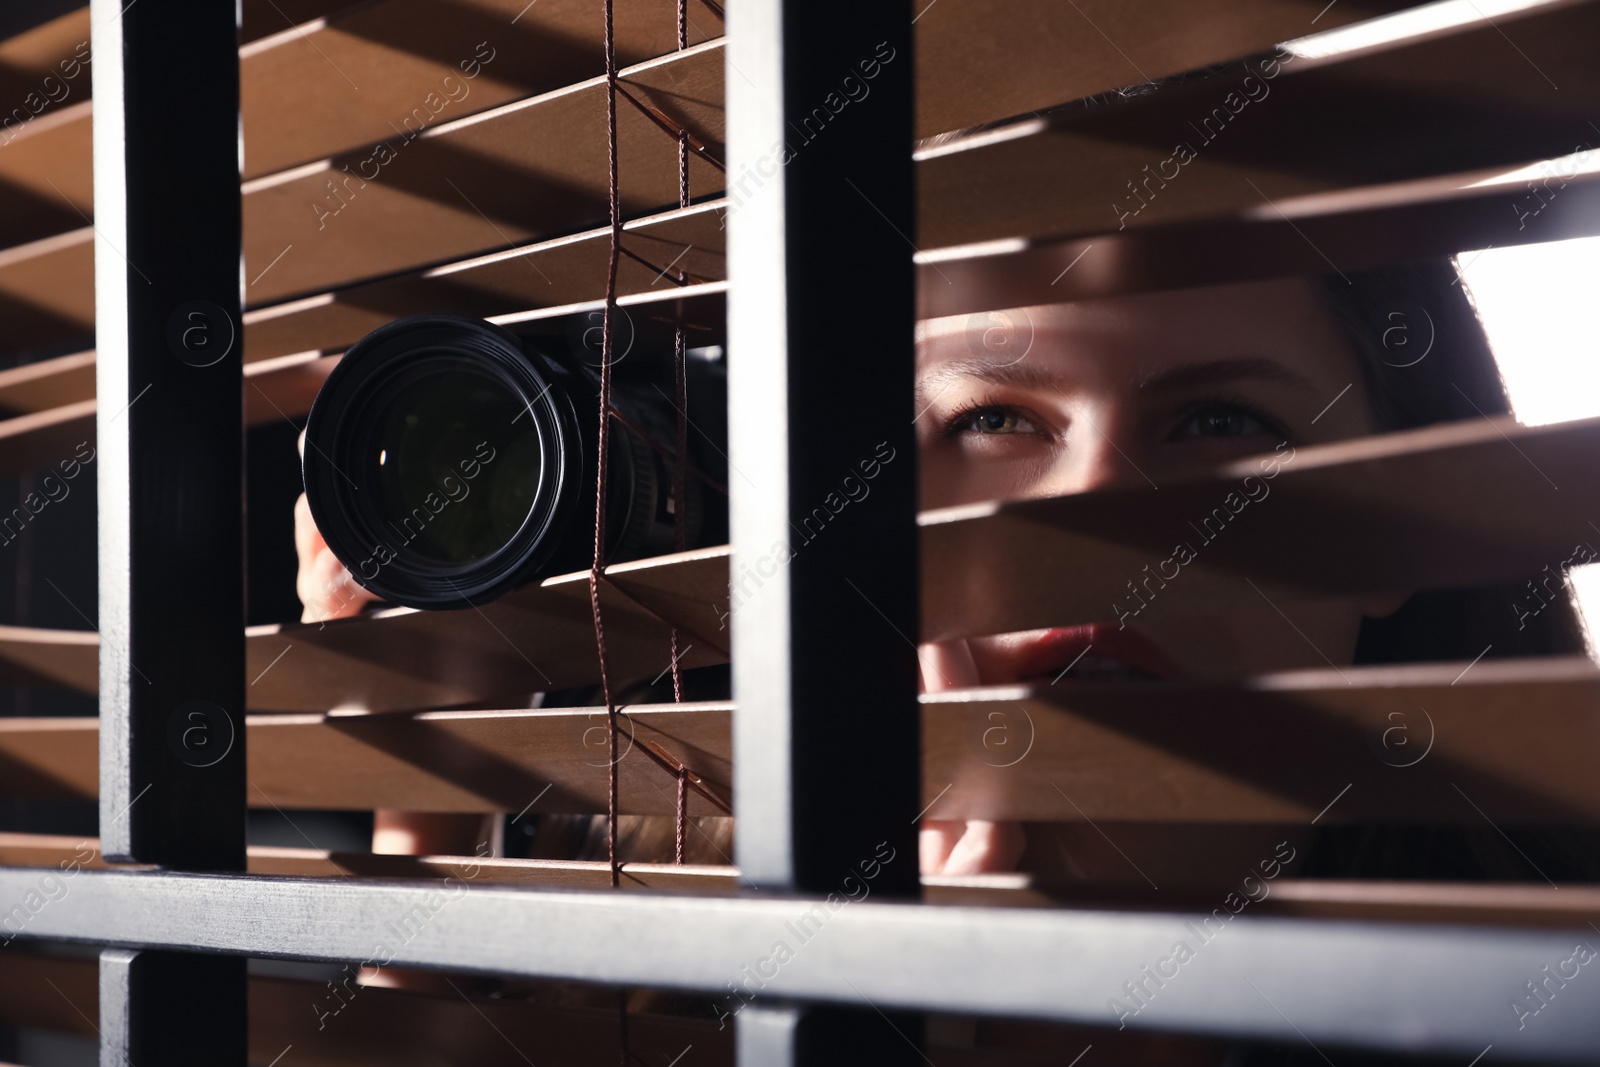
(1098, 650)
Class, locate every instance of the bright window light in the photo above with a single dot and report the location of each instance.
(1538, 306)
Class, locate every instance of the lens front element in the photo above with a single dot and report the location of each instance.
(443, 462)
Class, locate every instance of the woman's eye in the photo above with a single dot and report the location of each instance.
(1222, 420)
(993, 421)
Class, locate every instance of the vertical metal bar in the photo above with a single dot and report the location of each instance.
(170, 1008)
(791, 1035)
(170, 444)
(170, 432)
(820, 317)
(767, 1034)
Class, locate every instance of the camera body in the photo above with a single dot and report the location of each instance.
(449, 460)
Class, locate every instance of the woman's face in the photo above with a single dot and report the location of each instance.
(1139, 390)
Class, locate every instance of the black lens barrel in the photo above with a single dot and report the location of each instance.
(448, 461)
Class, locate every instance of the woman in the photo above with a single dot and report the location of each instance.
(1139, 389)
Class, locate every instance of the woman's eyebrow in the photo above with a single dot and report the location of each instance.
(1222, 371)
(1017, 372)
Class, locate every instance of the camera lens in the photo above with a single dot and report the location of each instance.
(448, 461)
(426, 427)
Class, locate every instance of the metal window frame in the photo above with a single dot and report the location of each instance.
(826, 735)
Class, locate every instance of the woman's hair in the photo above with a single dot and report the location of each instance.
(1425, 359)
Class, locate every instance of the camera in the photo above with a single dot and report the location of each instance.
(449, 460)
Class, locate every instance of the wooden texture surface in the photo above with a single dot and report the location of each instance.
(545, 276)
(1506, 742)
(1490, 93)
(1329, 233)
(538, 638)
(1451, 504)
(1510, 904)
(532, 166)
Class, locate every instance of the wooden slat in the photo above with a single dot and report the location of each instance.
(50, 383)
(1322, 233)
(552, 277)
(546, 874)
(1277, 748)
(314, 88)
(311, 89)
(66, 853)
(1512, 737)
(45, 160)
(1521, 905)
(980, 63)
(52, 758)
(274, 389)
(534, 168)
(537, 638)
(44, 86)
(1487, 904)
(1318, 125)
(38, 442)
(412, 215)
(45, 167)
(478, 761)
(263, 18)
(319, 89)
(544, 276)
(1451, 504)
(316, 80)
(1515, 904)
(34, 656)
(47, 292)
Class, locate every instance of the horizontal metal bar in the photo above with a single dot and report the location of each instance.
(1405, 987)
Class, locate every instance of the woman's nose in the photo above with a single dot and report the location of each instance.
(1102, 451)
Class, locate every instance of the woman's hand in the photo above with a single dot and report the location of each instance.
(962, 846)
(326, 589)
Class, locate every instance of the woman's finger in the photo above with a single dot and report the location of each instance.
(947, 665)
(985, 848)
(326, 589)
(935, 839)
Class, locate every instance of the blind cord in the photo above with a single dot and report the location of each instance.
(606, 347)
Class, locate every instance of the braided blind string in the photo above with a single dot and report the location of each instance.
(606, 347)
(682, 836)
(680, 373)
